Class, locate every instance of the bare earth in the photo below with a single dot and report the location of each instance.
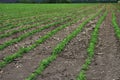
(106, 62)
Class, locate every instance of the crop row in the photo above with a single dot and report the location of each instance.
(22, 20)
(21, 51)
(59, 48)
(38, 24)
(33, 18)
(10, 42)
(29, 26)
(37, 11)
(39, 18)
(26, 22)
(24, 50)
(44, 21)
(91, 48)
(26, 19)
(115, 25)
(19, 17)
(23, 36)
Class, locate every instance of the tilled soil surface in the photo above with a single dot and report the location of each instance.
(16, 35)
(118, 18)
(28, 63)
(106, 62)
(25, 42)
(69, 62)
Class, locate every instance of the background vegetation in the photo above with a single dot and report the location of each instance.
(59, 1)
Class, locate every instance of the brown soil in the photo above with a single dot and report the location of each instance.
(69, 62)
(29, 62)
(16, 35)
(26, 25)
(118, 18)
(106, 62)
(26, 42)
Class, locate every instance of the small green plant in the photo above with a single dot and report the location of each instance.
(21, 37)
(91, 48)
(10, 42)
(24, 50)
(115, 25)
(81, 76)
(44, 21)
(45, 62)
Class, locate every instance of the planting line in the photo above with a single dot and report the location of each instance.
(20, 21)
(21, 51)
(27, 21)
(10, 42)
(34, 25)
(10, 21)
(23, 36)
(41, 16)
(47, 15)
(28, 18)
(34, 20)
(91, 48)
(24, 23)
(115, 25)
(45, 62)
(22, 18)
(48, 21)
(19, 17)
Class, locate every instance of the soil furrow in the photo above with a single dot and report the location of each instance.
(106, 64)
(16, 35)
(31, 60)
(69, 62)
(32, 23)
(24, 43)
(22, 32)
(21, 26)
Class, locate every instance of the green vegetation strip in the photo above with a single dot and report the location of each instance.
(60, 47)
(27, 19)
(10, 42)
(44, 20)
(18, 11)
(21, 51)
(24, 20)
(115, 25)
(27, 22)
(91, 48)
